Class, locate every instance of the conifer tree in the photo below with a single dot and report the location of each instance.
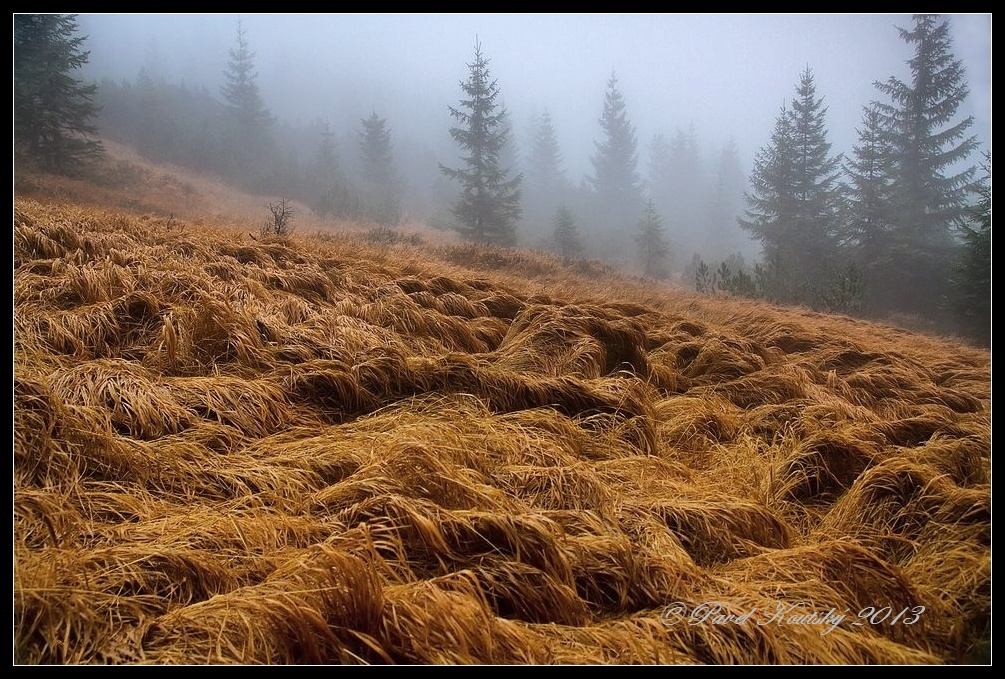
(685, 188)
(489, 204)
(566, 235)
(923, 140)
(326, 165)
(544, 169)
(654, 250)
(380, 180)
(249, 151)
(795, 199)
(771, 205)
(818, 193)
(929, 198)
(331, 195)
(545, 186)
(869, 217)
(870, 171)
(973, 269)
(724, 204)
(52, 108)
(375, 151)
(615, 178)
(240, 89)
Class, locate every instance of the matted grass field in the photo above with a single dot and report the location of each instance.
(321, 450)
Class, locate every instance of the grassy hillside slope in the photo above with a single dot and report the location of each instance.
(235, 450)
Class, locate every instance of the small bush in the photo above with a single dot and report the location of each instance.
(281, 222)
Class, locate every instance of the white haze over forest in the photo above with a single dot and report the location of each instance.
(724, 77)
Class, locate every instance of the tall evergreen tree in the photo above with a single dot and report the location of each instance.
(380, 179)
(682, 199)
(870, 174)
(52, 108)
(375, 151)
(654, 250)
(925, 142)
(723, 205)
(615, 178)
(240, 89)
(795, 199)
(249, 150)
(771, 205)
(546, 185)
(156, 134)
(489, 205)
(818, 193)
(544, 168)
(973, 270)
(330, 193)
(677, 185)
(566, 235)
(326, 167)
(868, 220)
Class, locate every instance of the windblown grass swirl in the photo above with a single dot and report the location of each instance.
(326, 451)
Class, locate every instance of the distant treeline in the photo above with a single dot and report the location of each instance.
(894, 227)
(357, 172)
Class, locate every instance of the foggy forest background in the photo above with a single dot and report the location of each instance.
(885, 218)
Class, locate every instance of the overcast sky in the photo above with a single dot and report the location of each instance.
(727, 75)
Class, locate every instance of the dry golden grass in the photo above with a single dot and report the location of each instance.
(229, 450)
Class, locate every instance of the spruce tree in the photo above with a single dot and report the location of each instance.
(654, 250)
(615, 178)
(52, 108)
(685, 189)
(544, 170)
(489, 204)
(545, 184)
(925, 143)
(771, 206)
(795, 199)
(249, 152)
(330, 195)
(868, 220)
(818, 193)
(154, 137)
(973, 269)
(566, 235)
(240, 89)
(724, 204)
(380, 181)
(870, 171)
(326, 165)
(375, 151)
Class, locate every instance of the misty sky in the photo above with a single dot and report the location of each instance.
(727, 75)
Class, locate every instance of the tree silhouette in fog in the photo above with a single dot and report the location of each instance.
(489, 205)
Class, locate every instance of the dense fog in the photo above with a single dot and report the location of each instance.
(727, 75)
(696, 97)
